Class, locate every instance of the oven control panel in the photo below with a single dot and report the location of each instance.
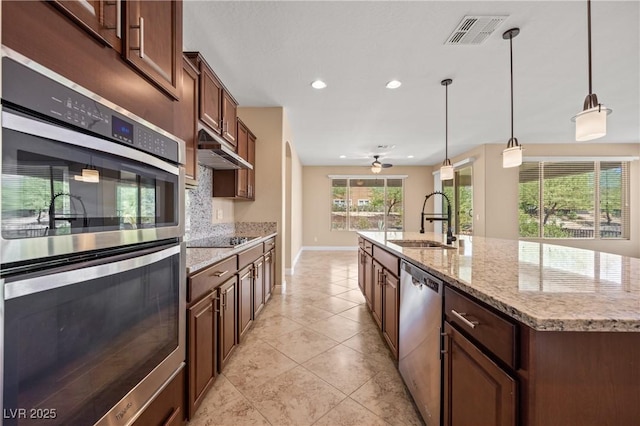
(37, 92)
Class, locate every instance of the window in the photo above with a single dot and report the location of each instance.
(367, 204)
(460, 193)
(587, 199)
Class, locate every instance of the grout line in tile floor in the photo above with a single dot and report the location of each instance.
(311, 358)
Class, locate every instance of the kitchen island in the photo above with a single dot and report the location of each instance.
(561, 327)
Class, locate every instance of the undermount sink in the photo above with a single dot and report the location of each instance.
(420, 244)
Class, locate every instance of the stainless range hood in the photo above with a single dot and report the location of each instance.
(216, 154)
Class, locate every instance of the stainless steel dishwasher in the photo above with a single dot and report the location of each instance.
(420, 357)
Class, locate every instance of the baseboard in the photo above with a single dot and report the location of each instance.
(290, 271)
(330, 248)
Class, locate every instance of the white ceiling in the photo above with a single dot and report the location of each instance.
(267, 54)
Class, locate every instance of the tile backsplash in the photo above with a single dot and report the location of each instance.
(201, 210)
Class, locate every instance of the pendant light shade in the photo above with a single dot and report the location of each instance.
(446, 171)
(591, 122)
(512, 155)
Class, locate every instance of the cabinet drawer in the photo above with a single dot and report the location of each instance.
(388, 260)
(269, 244)
(489, 329)
(250, 255)
(365, 245)
(211, 277)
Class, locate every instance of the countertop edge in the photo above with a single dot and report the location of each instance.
(197, 267)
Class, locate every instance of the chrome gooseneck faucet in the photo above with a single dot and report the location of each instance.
(431, 216)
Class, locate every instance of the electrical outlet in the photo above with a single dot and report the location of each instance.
(219, 214)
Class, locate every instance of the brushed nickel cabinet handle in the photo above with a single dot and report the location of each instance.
(219, 274)
(461, 317)
(140, 27)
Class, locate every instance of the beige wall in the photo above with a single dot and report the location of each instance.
(294, 207)
(495, 192)
(316, 202)
(225, 208)
(267, 125)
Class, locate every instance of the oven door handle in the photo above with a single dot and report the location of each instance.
(46, 282)
(61, 134)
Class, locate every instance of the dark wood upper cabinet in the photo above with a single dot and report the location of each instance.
(218, 108)
(210, 97)
(100, 18)
(243, 174)
(251, 174)
(152, 34)
(229, 116)
(186, 119)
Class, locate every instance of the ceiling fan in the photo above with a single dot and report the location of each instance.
(377, 166)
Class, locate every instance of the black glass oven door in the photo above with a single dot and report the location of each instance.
(76, 341)
(62, 185)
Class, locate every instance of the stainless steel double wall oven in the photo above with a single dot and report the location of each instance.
(92, 257)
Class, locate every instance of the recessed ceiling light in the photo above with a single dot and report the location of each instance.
(393, 84)
(343, 156)
(318, 84)
(409, 156)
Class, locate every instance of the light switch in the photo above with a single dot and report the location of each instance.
(219, 214)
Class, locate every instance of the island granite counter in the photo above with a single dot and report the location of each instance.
(544, 286)
(571, 351)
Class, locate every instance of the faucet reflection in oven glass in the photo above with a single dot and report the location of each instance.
(69, 217)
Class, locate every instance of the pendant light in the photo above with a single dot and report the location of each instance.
(512, 155)
(591, 123)
(446, 171)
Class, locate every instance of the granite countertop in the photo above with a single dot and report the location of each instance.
(201, 258)
(545, 286)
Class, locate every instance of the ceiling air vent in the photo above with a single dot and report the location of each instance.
(474, 29)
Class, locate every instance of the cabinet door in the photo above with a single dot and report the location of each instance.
(243, 174)
(210, 98)
(361, 276)
(476, 390)
(258, 286)
(391, 304)
(100, 18)
(227, 321)
(269, 272)
(376, 298)
(229, 117)
(368, 279)
(186, 119)
(245, 297)
(202, 350)
(153, 41)
(251, 174)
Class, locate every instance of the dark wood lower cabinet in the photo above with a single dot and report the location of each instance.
(391, 303)
(167, 409)
(245, 297)
(227, 302)
(376, 298)
(476, 390)
(369, 279)
(269, 275)
(258, 286)
(203, 350)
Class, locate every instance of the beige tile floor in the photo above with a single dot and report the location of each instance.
(314, 356)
